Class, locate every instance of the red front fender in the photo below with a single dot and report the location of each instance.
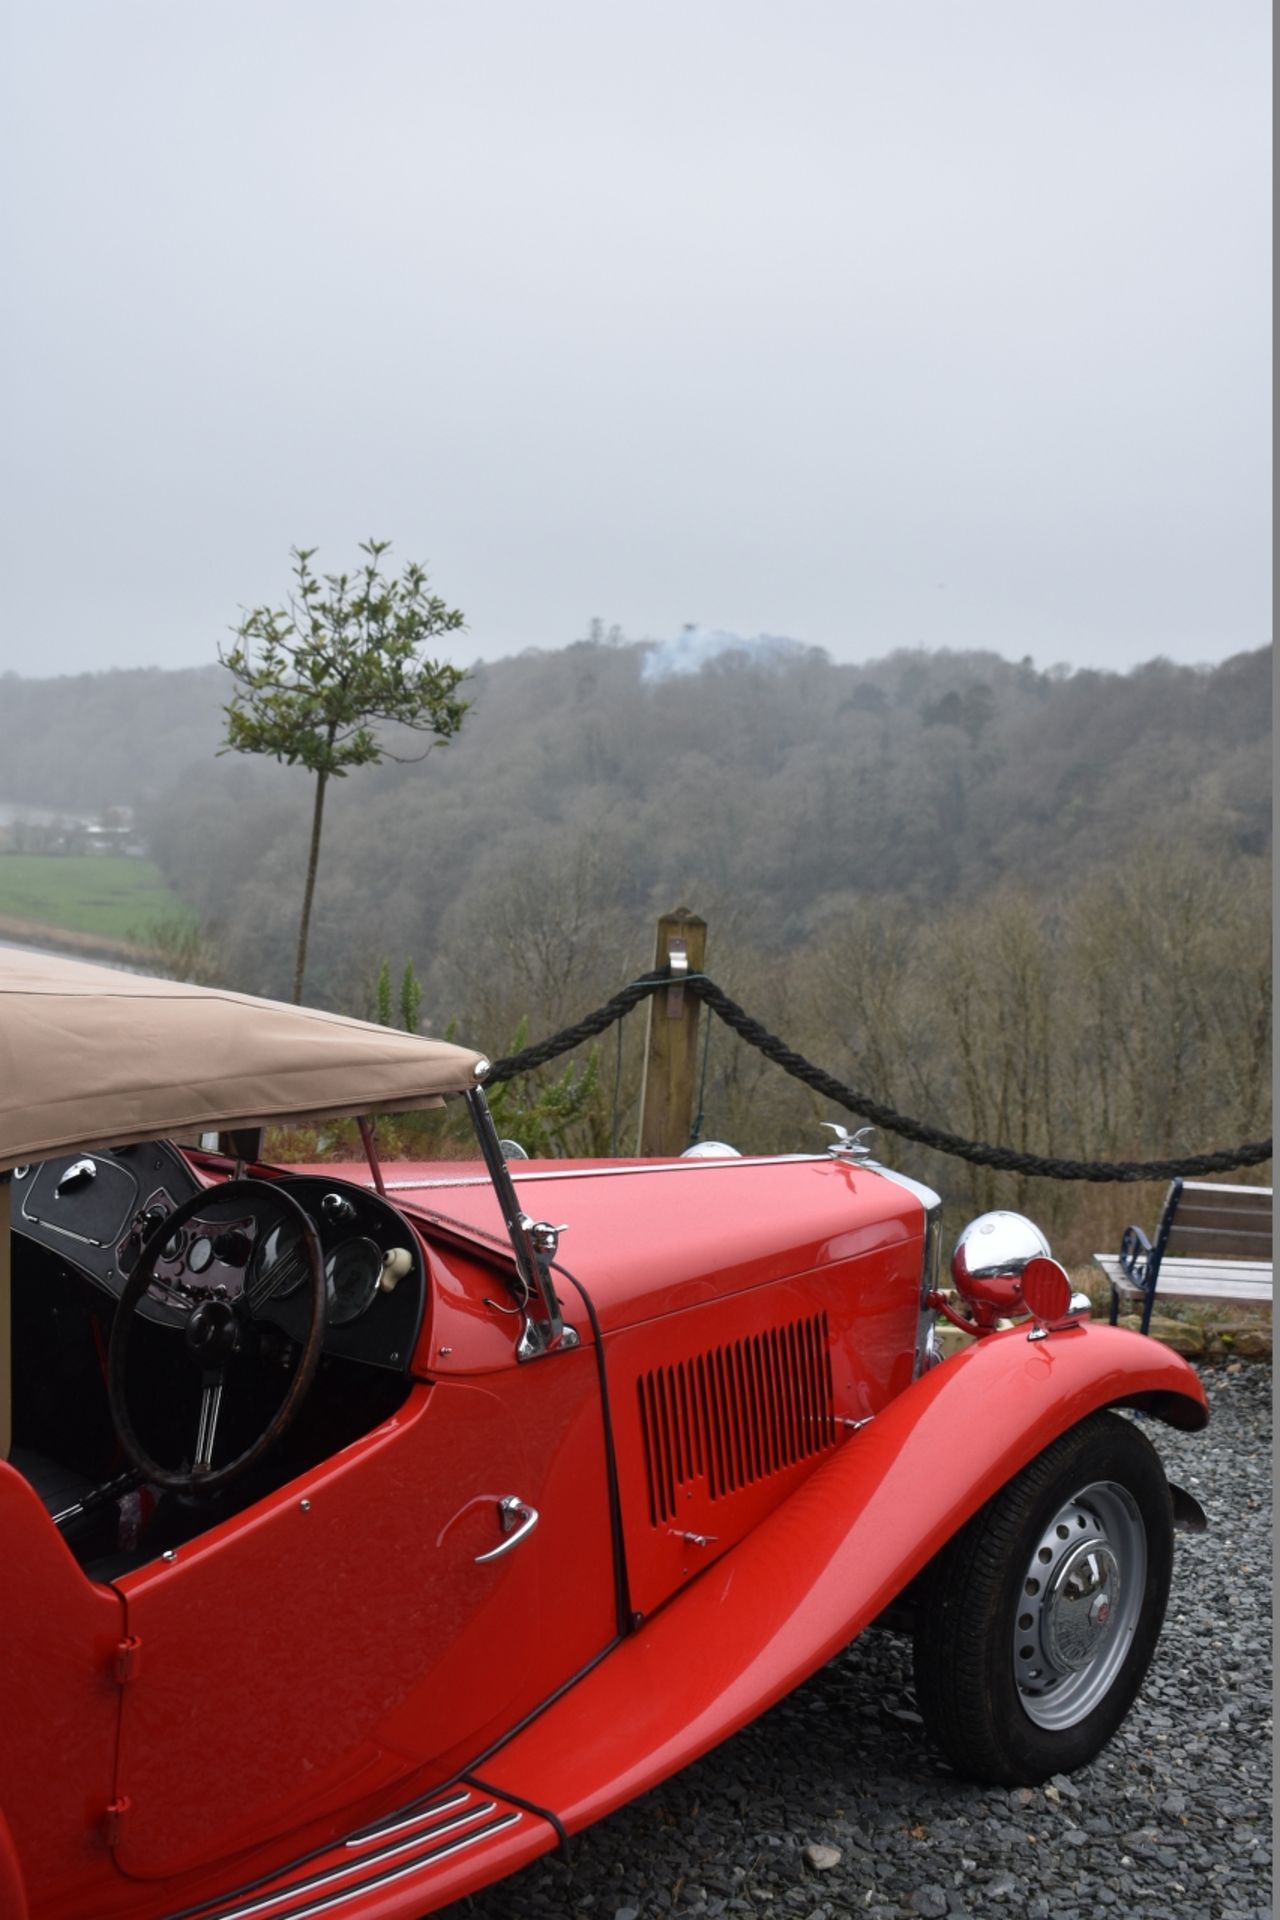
(828, 1561)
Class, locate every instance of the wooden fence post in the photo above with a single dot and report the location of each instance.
(671, 1041)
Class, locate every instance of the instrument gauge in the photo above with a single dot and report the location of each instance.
(200, 1254)
(352, 1271)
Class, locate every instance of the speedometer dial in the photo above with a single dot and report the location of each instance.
(353, 1271)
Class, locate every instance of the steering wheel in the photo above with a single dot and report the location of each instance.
(219, 1329)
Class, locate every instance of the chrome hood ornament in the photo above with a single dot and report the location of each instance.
(846, 1145)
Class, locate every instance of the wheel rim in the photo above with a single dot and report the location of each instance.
(1079, 1606)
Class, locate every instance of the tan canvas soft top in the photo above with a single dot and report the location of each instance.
(91, 1057)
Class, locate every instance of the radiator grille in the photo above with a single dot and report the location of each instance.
(737, 1414)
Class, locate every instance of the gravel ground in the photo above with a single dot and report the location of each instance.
(1171, 1821)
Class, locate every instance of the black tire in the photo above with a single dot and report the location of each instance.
(1014, 1689)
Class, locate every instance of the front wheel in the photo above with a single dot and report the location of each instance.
(1038, 1620)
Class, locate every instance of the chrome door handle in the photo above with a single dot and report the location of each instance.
(517, 1520)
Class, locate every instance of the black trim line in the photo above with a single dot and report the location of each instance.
(530, 1806)
(621, 1583)
(534, 1713)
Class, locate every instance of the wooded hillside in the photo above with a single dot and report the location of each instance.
(1033, 908)
(781, 792)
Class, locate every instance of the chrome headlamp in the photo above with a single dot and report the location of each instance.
(1002, 1269)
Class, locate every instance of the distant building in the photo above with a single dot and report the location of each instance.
(115, 832)
(37, 830)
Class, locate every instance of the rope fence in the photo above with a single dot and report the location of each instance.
(979, 1153)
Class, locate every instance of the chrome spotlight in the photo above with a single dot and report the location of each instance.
(995, 1245)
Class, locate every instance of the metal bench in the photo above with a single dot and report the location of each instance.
(1213, 1243)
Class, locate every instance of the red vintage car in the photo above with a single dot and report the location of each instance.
(369, 1530)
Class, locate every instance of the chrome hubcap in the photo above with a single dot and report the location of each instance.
(1079, 1606)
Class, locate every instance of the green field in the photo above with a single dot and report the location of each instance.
(103, 894)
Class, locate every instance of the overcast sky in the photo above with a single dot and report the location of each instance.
(874, 323)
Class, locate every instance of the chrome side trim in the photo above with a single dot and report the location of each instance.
(422, 1818)
(930, 1266)
(928, 1199)
(367, 1884)
(618, 1173)
(926, 1353)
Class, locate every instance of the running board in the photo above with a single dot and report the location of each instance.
(408, 1864)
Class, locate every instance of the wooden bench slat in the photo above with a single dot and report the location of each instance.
(1250, 1200)
(1194, 1187)
(1242, 1293)
(1192, 1240)
(1231, 1219)
(1246, 1269)
(1241, 1269)
(1243, 1280)
(1195, 1190)
(1228, 1199)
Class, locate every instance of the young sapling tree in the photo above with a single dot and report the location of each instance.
(316, 678)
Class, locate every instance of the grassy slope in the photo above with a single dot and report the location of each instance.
(94, 893)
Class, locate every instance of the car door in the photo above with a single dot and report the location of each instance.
(357, 1630)
(59, 1703)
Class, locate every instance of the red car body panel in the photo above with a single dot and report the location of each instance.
(693, 1270)
(649, 1239)
(721, 1411)
(828, 1561)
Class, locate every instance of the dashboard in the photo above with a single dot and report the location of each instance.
(96, 1210)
